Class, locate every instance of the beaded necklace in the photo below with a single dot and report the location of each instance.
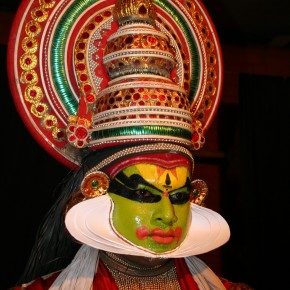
(128, 275)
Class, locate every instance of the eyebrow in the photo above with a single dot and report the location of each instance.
(134, 180)
(127, 186)
(137, 179)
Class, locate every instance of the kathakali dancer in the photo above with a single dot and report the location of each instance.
(121, 92)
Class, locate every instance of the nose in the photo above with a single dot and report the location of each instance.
(164, 212)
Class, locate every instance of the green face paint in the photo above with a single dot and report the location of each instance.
(151, 205)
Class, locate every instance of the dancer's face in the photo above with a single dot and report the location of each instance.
(151, 205)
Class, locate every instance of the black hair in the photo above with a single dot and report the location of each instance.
(53, 248)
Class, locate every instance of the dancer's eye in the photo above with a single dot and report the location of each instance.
(144, 195)
(179, 197)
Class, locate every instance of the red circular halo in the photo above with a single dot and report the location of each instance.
(37, 93)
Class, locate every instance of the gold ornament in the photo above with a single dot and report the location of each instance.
(95, 184)
(198, 192)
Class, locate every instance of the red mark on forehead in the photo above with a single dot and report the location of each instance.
(160, 171)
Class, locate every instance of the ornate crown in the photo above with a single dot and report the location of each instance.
(96, 74)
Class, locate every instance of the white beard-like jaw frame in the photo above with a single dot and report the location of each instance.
(90, 222)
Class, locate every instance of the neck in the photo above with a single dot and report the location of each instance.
(137, 264)
(143, 261)
(139, 273)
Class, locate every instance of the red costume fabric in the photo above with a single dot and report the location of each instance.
(104, 281)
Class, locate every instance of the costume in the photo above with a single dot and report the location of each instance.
(186, 279)
(121, 92)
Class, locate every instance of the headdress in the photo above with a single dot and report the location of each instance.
(93, 74)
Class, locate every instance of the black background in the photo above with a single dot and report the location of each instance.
(254, 172)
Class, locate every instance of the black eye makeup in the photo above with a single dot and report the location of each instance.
(134, 188)
(137, 189)
(179, 197)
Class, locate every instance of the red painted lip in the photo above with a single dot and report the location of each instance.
(159, 235)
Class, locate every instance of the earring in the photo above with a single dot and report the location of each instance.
(198, 192)
(95, 184)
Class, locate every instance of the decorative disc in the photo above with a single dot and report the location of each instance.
(95, 184)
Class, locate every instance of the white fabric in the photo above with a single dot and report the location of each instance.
(204, 277)
(89, 223)
(80, 273)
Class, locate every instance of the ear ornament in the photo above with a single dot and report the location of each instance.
(95, 184)
(199, 191)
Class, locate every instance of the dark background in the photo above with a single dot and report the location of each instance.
(246, 155)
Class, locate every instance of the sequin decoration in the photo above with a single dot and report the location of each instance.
(95, 184)
(199, 191)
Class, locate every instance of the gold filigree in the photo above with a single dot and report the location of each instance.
(28, 61)
(33, 94)
(204, 30)
(39, 14)
(32, 28)
(129, 97)
(81, 48)
(29, 45)
(209, 46)
(29, 77)
(95, 184)
(198, 134)
(39, 109)
(58, 134)
(198, 18)
(211, 59)
(134, 10)
(199, 191)
(49, 122)
(184, 66)
(189, 5)
(47, 4)
(211, 74)
(207, 102)
(210, 88)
